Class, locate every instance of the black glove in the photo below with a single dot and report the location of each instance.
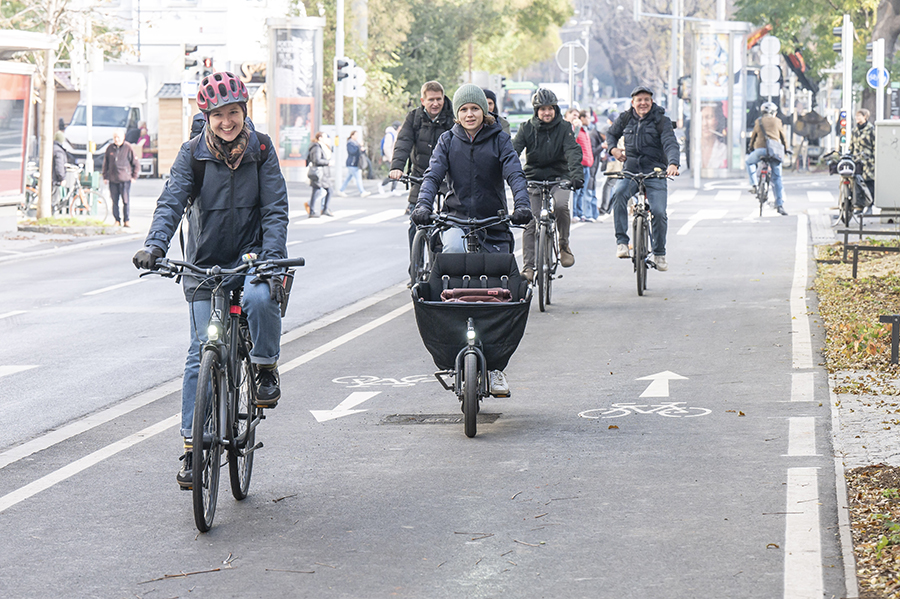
(420, 216)
(521, 216)
(276, 288)
(146, 258)
(577, 184)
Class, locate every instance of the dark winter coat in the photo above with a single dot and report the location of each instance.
(477, 169)
(552, 152)
(418, 136)
(650, 142)
(59, 163)
(598, 151)
(238, 212)
(120, 164)
(316, 156)
(862, 147)
(353, 152)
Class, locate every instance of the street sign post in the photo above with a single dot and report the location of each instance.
(572, 58)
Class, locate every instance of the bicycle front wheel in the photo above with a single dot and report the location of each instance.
(470, 392)
(542, 264)
(419, 259)
(240, 462)
(640, 252)
(207, 448)
(846, 205)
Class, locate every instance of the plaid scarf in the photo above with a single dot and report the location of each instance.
(230, 153)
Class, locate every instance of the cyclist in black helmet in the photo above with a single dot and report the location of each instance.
(552, 155)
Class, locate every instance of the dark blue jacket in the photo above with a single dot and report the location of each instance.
(649, 142)
(352, 153)
(476, 170)
(240, 211)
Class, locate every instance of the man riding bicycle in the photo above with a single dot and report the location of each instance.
(768, 126)
(477, 157)
(241, 207)
(551, 154)
(650, 144)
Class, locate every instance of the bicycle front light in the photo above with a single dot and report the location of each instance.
(470, 334)
(213, 331)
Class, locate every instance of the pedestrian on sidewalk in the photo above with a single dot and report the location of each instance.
(355, 152)
(319, 160)
(120, 168)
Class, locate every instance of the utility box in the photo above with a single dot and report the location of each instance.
(887, 157)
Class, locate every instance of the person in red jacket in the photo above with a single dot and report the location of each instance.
(120, 168)
(580, 199)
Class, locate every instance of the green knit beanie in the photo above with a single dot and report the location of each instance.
(470, 94)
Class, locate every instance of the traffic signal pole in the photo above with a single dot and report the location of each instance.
(338, 97)
(847, 83)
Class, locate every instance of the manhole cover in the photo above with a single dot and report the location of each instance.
(483, 418)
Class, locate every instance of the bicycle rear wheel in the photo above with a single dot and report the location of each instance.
(470, 392)
(639, 252)
(240, 463)
(762, 190)
(207, 448)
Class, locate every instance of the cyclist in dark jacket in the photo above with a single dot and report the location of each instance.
(242, 207)
(551, 154)
(649, 144)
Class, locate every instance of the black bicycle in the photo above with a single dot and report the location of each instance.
(226, 414)
(640, 225)
(853, 192)
(425, 244)
(763, 181)
(546, 241)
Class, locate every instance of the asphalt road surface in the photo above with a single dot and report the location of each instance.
(675, 445)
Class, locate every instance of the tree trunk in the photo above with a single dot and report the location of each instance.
(49, 107)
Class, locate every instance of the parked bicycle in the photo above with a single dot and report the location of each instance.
(546, 241)
(76, 200)
(226, 415)
(30, 199)
(853, 193)
(640, 225)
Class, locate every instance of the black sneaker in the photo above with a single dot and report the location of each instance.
(185, 476)
(268, 391)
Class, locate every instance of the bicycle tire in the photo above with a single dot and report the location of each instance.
(80, 206)
(639, 251)
(762, 190)
(470, 393)
(646, 244)
(95, 198)
(541, 273)
(419, 265)
(552, 261)
(240, 467)
(846, 209)
(206, 449)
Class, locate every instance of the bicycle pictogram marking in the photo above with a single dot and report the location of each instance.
(366, 380)
(669, 409)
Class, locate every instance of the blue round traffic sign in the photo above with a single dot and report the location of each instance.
(876, 77)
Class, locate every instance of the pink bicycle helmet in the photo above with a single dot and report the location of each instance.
(220, 89)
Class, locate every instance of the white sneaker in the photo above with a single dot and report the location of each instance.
(661, 263)
(622, 251)
(365, 194)
(499, 385)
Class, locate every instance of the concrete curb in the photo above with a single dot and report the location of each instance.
(76, 231)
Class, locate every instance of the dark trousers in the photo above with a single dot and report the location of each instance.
(312, 200)
(116, 190)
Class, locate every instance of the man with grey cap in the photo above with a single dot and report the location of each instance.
(650, 144)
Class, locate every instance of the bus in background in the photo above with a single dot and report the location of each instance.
(515, 105)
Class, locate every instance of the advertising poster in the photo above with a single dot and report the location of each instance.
(15, 94)
(714, 76)
(296, 86)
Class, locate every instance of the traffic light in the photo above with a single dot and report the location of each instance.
(344, 67)
(207, 67)
(189, 60)
(842, 128)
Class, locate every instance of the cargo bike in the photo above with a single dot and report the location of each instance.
(471, 312)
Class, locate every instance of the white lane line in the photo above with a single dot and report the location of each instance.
(820, 196)
(802, 537)
(70, 470)
(728, 195)
(7, 370)
(801, 436)
(301, 216)
(85, 424)
(13, 313)
(345, 338)
(682, 195)
(802, 386)
(347, 232)
(379, 217)
(702, 215)
(802, 343)
(289, 244)
(113, 287)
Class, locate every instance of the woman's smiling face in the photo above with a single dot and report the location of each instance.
(227, 121)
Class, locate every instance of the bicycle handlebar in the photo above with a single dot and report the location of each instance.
(406, 178)
(638, 176)
(562, 183)
(166, 267)
(477, 223)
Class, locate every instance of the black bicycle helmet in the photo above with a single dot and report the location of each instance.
(544, 97)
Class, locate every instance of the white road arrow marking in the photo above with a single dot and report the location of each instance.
(345, 408)
(659, 385)
(5, 370)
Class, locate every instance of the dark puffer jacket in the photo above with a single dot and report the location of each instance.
(552, 152)
(418, 136)
(477, 169)
(240, 211)
(649, 142)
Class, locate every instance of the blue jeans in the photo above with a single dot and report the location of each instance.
(580, 199)
(353, 172)
(591, 195)
(264, 318)
(777, 184)
(657, 195)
